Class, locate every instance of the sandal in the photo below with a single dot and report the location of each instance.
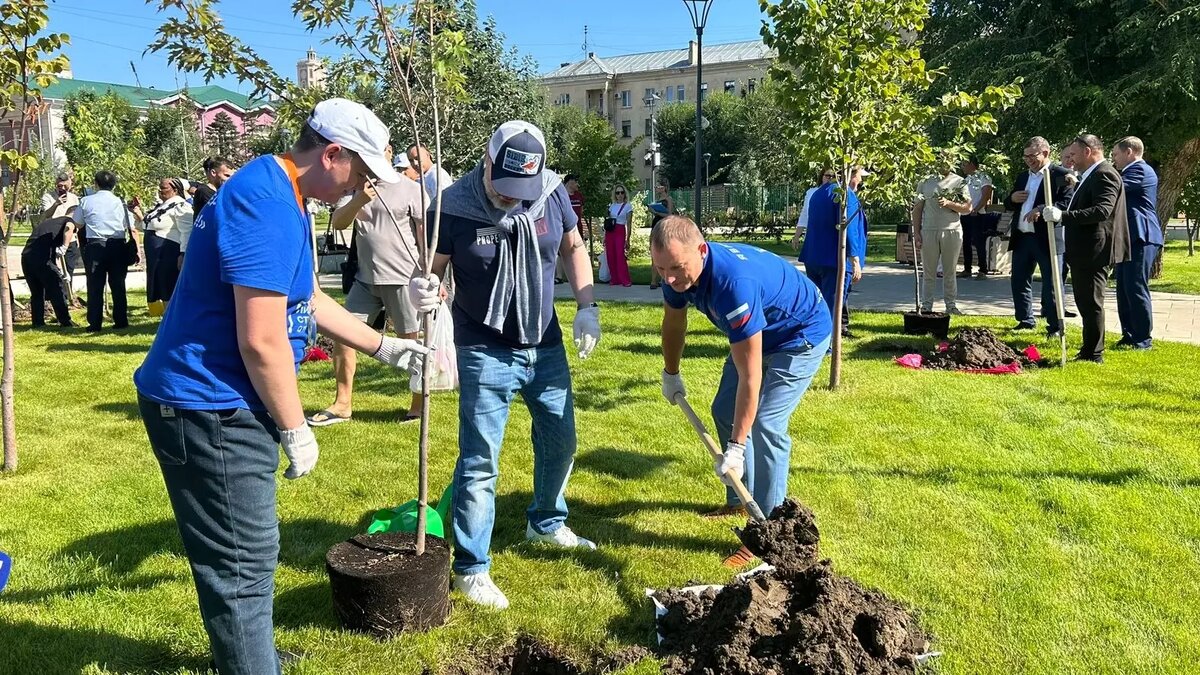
(326, 418)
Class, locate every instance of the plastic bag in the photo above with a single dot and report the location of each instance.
(604, 275)
(443, 362)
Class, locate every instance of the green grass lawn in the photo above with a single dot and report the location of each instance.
(1042, 523)
(1181, 273)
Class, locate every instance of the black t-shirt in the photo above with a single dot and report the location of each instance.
(472, 249)
(200, 198)
(47, 236)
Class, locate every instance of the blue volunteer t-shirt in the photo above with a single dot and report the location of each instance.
(472, 247)
(252, 234)
(745, 290)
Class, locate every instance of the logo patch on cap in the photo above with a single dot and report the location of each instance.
(524, 163)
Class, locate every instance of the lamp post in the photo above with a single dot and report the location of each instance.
(698, 10)
(652, 103)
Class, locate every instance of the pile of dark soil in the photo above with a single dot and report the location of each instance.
(976, 349)
(800, 618)
(530, 656)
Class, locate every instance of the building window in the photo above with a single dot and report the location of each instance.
(670, 94)
(649, 126)
(703, 91)
(626, 129)
(750, 85)
(679, 91)
(626, 99)
(730, 86)
(564, 99)
(650, 93)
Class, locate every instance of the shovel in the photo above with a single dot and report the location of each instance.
(743, 494)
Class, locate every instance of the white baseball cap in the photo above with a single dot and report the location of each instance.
(518, 153)
(354, 127)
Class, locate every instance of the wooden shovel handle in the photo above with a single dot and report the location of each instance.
(711, 444)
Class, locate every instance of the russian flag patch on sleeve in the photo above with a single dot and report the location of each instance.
(739, 317)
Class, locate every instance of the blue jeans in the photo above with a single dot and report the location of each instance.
(1027, 255)
(786, 376)
(219, 468)
(1133, 294)
(825, 278)
(489, 380)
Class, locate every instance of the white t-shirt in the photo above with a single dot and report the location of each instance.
(620, 212)
(802, 221)
(976, 182)
(436, 180)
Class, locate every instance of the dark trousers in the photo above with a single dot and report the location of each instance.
(1028, 255)
(1089, 260)
(825, 277)
(1133, 294)
(45, 283)
(976, 227)
(162, 267)
(219, 469)
(104, 262)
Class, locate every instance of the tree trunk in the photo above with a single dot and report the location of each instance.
(1191, 234)
(6, 325)
(839, 296)
(1173, 178)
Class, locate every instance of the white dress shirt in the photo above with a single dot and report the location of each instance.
(802, 220)
(1032, 184)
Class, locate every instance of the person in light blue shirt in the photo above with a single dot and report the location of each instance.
(779, 329)
(106, 221)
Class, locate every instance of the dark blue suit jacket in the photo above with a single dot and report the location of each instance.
(1141, 202)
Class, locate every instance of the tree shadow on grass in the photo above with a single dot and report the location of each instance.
(98, 347)
(950, 475)
(701, 351)
(307, 606)
(889, 347)
(127, 409)
(35, 648)
(607, 395)
(619, 463)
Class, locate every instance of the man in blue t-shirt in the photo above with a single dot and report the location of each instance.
(820, 251)
(218, 391)
(504, 226)
(779, 329)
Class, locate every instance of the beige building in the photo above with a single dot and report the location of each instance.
(618, 87)
(310, 71)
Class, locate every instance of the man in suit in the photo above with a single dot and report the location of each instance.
(1145, 243)
(1097, 234)
(1028, 238)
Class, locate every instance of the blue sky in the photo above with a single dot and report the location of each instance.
(106, 37)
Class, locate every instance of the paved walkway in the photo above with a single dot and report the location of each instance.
(884, 288)
(889, 288)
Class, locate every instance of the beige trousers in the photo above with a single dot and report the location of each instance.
(940, 246)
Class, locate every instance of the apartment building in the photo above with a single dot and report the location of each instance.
(620, 88)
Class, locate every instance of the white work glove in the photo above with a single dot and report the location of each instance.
(425, 293)
(732, 462)
(60, 251)
(672, 386)
(399, 352)
(1052, 214)
(587, 330)
(300, 447)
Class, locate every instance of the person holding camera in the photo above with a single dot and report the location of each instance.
(617, 232)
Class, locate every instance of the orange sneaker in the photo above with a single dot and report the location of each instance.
(739, 558)
(726, 511)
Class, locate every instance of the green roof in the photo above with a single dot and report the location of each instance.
(142, 97)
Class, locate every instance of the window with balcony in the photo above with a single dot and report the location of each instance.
(626, 129)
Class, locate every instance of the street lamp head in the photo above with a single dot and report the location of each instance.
(698, 9)
(707, 156)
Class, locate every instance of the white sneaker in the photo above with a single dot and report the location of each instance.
(480, 589)
(562, 537)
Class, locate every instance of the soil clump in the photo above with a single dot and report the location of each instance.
(530, 656)
(976, 349)
(802, 617)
